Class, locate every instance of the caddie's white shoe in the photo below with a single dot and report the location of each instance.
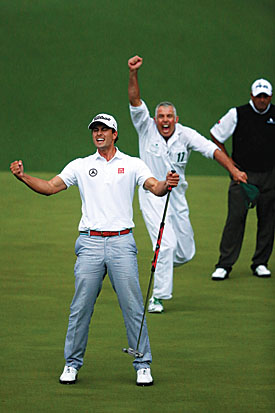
(155, 305)
(220, 274)
(144, 377)
(69, 375)
(262, 271)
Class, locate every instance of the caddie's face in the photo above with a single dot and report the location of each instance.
(103, 136)
(261, 101)
(166, 121)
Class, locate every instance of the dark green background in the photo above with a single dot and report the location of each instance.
(64, 61)
(61, 63)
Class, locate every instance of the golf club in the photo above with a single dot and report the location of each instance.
(130, 350)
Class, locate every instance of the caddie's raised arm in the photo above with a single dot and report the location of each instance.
(41, 186)
(134, 63)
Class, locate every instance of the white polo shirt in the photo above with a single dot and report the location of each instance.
(162, 156)
(106, 189)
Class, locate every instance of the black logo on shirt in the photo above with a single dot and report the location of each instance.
(92, 172)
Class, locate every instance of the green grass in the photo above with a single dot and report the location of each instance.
(63, 61)
(213, 348)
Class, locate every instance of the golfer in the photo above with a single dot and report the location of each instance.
(106, 181)
(165, 144)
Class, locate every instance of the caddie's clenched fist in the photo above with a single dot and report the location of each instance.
(17, 169)
(135, 62)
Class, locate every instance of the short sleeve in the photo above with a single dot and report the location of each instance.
(225, 127)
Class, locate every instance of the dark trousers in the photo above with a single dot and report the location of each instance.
(233, 232)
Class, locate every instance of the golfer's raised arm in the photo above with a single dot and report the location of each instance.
(160, 188)
(38, 185)
(134, 64)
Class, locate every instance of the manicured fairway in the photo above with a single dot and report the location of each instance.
(62, 62)
(213, 348)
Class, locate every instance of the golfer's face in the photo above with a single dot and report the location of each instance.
(166, 121)
(261, 101)
(103, 137)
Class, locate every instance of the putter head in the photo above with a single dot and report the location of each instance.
(132, 352)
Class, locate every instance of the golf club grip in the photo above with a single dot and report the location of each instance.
(169, 187)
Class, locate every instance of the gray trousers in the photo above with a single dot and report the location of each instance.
(233, 232)
(95, 257)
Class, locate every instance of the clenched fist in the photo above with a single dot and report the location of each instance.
(135, 62)
(17, 169)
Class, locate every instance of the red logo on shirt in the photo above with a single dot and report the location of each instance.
(120, 170)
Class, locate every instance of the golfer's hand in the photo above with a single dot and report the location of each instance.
(172, 179)
(17, 169)
(135, 62)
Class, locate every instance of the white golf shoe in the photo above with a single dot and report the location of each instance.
(262, 271)
(69, 375)
(144, 377)
(155, 305)
(220, 274)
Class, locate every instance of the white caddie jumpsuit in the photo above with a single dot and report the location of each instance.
(177, 245)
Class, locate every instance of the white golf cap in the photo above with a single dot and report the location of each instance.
(261, 86)
(104, 118)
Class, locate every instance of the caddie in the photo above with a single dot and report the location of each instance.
(165, 143)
